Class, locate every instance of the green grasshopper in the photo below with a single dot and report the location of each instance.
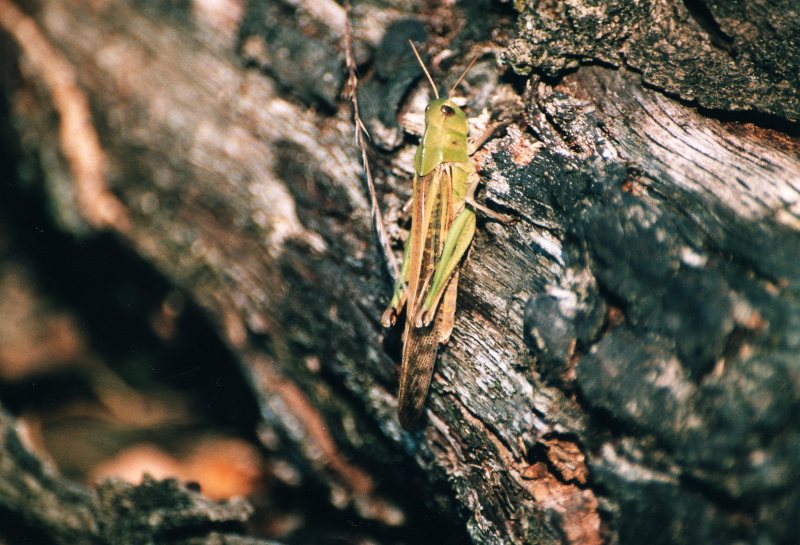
(442, 228)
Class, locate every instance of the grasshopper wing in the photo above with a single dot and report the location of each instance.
(430, 222)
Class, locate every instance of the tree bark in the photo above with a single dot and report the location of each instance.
(624, 363)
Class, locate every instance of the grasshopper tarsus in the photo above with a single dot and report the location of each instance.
(423, 318)
(389, 317)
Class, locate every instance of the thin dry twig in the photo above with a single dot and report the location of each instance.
(361, 135)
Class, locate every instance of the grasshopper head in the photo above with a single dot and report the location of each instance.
(446, 114)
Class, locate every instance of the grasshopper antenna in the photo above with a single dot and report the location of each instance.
(422, 64)
(461, 77)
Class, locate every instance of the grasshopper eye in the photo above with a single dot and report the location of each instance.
(446, 110)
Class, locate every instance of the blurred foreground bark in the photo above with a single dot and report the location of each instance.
(624, 366)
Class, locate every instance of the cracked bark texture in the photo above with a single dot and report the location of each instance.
(115, 512)
(624, 363)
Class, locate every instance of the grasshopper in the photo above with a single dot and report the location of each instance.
(442, 228)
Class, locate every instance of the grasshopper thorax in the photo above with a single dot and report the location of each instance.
(446, 114)
(445, 138)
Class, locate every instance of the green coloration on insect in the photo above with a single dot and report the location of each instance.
(442, 227)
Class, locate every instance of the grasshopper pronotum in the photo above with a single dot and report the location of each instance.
(442, 227)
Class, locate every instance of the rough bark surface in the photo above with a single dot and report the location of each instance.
(624, 363)
(114, 512)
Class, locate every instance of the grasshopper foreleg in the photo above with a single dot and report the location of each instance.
(478, 143)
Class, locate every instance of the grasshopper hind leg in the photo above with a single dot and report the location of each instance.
(458, 240)
(475, 180)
